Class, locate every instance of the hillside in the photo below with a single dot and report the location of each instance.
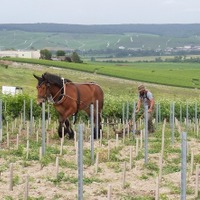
(178, 30)
(123, 39)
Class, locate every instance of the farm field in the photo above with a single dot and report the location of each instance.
(140, 182)
(21, 74)
(172, 74)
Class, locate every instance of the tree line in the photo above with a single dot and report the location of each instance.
(60, 55)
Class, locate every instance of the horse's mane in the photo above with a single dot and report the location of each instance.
(54, 79)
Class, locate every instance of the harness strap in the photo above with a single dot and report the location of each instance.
(64, 96)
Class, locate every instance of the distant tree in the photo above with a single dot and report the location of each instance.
(60, 53)
(68, 59)
(45, 54)
(75, 57)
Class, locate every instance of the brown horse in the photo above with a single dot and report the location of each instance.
(68, 98)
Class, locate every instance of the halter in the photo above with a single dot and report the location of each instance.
(51, 99)
(48, 96)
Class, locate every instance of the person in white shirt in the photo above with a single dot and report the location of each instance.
(145, 97)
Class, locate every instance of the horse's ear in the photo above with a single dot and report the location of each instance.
(37, 77)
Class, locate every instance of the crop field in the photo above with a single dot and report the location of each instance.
(171, 74)
(119, 170)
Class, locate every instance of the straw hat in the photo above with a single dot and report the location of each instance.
(141, 88)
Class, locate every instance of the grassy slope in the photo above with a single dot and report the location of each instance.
(22, 75)
(174, 74)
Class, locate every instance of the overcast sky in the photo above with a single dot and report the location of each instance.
(100, 11)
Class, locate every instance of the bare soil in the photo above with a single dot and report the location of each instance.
(140, 181)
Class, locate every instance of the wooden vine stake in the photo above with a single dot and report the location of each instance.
(8, 140)
(97, 162)
(26, 189)
(40, 153)
(109, 192)
(27, 149)
(123, 134)
(108, 131)
(197, 181)
(117, 140)
(37, 136)
(75, 139)
(124, 176)
(157, 189)
(131, 156)
(57, 166)
(62, 141)
(136, 148)
(108, 149)
(100, 137)
(47, 138)
(27, 130)
(76, 146)
(192, 162)
(160, 167)
(11, 177)
(17, 142)
(141, 139)
(61, 146)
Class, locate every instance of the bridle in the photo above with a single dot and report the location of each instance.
(48, 96)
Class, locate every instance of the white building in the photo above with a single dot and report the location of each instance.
(11, 90)
(20, 54)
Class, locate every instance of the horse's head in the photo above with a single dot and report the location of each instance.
(42, 89)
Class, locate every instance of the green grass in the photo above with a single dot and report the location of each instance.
(22, 76)
(173, 74)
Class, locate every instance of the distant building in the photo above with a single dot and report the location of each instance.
(11, 90)
(20, 54)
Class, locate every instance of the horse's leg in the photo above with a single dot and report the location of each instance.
(67, 129)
